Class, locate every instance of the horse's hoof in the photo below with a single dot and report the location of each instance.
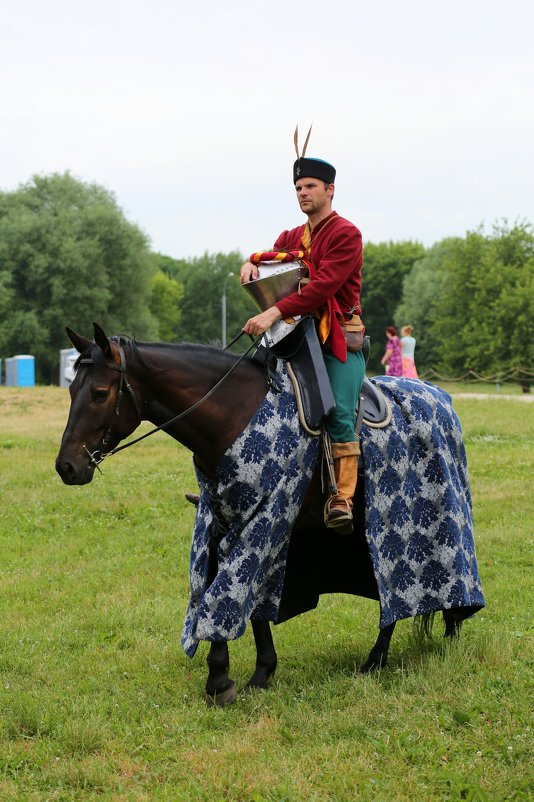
(371, 665)
(260, 679)
(226, 697)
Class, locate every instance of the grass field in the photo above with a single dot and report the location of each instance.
(98, 702)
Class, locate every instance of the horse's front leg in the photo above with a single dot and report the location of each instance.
(378, 656)
(220, 689)
(265, 656)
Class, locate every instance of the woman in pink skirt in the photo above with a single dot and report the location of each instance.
(408, 353)
(392, 358)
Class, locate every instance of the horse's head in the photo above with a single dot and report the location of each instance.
(97, 395)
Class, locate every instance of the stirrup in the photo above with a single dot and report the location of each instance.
(338, 519)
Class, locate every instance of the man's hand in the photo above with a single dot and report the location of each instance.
(249, 272)
(260, 323)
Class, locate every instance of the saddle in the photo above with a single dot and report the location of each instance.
(302, 352)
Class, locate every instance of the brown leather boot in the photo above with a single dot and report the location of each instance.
(338, 508)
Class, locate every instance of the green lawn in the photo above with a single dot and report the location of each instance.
(98, 702)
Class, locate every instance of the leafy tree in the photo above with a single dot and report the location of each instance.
(385, 266)
(172, 267)
(484, 315)
(69, 256)
(6, 300)
(165, 305)
(205, 279)
(517, 306)
(422, 289)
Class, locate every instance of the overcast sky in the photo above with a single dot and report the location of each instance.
(186, 111)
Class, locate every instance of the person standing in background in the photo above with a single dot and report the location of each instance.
(408, 353)
(392, 358)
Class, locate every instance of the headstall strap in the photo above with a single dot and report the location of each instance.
(99, 454)
(123, 380)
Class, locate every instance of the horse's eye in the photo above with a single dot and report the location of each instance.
(100, 394)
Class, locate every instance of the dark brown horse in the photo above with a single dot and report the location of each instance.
(120, 383)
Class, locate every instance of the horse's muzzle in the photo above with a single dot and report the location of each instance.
(75, 475)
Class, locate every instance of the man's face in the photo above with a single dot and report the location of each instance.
(313, 195)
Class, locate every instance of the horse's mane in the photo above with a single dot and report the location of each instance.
(197, 353)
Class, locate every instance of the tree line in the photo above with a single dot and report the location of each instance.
(69, 256)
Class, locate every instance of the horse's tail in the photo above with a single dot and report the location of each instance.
(423, 624)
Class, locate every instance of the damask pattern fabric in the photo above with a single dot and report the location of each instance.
(419, 524)
(262, 481)
(418, 505)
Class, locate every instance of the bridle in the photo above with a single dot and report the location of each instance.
(97, 456)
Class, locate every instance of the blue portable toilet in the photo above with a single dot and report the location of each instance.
(20, 371)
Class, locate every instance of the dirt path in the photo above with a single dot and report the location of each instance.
(525, 397)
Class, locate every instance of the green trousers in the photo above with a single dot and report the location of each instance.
(346, 379)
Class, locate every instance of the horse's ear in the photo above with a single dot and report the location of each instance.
(102, 340)
(79, 342)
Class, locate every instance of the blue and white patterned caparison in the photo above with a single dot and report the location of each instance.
(419, 522)
(263, 478)
(419, 525)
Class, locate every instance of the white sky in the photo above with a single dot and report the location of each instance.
(186, 111)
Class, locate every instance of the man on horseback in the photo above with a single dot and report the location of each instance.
(333, 251)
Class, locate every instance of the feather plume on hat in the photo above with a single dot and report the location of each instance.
(311, 168)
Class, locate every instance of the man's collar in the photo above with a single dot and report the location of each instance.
(321, 223)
